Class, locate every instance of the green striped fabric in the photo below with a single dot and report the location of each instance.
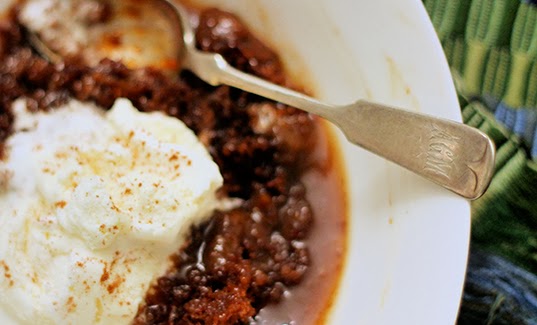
(449, 17)
(505, 219)
(491, 46)
(485, 40)
(496, 72)
(531, 93)
(485, 30)
(524, 49)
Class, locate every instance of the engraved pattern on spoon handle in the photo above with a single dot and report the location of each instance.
(453, 155)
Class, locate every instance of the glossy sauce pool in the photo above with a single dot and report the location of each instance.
(310, 302)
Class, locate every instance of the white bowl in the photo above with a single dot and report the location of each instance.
(408, 238)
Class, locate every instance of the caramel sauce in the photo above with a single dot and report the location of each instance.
(310, 302)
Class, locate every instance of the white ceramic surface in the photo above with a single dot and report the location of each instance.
(408, 238)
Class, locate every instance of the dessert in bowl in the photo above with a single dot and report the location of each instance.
(268, 244)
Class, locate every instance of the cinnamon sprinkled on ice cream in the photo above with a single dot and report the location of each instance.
(93, 205)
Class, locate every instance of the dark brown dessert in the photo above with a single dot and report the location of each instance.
(274, 157)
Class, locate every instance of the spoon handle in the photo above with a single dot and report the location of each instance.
(214, 69)
(453, 155)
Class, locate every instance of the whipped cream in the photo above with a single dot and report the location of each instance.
(92, 205)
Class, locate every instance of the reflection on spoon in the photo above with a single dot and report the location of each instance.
(453, 155)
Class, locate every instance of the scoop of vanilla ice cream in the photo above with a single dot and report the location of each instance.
(92, 206)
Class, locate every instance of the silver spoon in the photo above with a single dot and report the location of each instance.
(453, 155)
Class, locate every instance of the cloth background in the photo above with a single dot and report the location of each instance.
(491, 46)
